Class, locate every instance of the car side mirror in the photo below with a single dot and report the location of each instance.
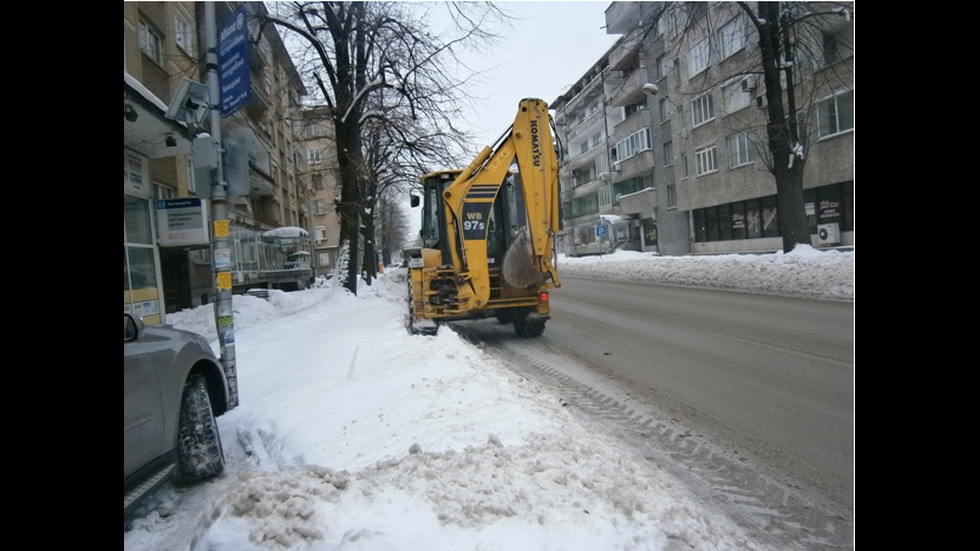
(132, 327)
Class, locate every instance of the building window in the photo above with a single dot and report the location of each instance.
(665, 110)
(191, 181)
(702, 109)
(836, 113)
(741, 150)
(732, 37)
(184, 33)
(686, 170)
(313, 156)
(150, 40)
(319, 207)
(634, 107)
(640, 140)
(663, 66)
(317, 181)
(738, 94)
(671, 196)
(697, 58)
(706, 160)
(605, 197)
(320, 233)
(668, 153)
(601, 164)
(163, 192)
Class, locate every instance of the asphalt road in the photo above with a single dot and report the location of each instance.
(771, 373)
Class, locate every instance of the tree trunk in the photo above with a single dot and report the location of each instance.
(348, 144)
(783, 143)
(370, 262)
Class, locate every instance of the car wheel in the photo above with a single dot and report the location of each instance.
(199, 451)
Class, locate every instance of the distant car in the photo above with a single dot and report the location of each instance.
(174, 388)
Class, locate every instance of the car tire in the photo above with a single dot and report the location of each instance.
(199, 451)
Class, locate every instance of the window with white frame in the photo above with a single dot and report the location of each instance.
(741, 150)
(163, 192)
(319, 207)
(150, 40)
(706, 160)
(605, 197)
(320, 233)
(641, 140)
(601, 164)
(836, 113)
(731, 37)
(697, 58)
(314, 156)
(183, 33)
(737, 94)
(702, 109)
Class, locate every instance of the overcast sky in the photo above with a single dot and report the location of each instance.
(551, 45)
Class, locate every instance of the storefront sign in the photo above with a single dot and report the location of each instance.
(181, 222)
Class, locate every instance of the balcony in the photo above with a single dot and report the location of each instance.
(640, 201)
(631, 89)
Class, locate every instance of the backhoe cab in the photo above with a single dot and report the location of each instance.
(488, 233)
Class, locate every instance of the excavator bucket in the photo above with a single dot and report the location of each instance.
(519, 269)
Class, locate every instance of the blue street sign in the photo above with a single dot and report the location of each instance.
(233, 77)
(600, 231)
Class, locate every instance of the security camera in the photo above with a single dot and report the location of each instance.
(650, 89)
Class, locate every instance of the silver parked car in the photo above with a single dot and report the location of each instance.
(174, 388)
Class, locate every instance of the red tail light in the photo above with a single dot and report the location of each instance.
(544, 298)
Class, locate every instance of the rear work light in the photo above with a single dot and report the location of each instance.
(544, 298)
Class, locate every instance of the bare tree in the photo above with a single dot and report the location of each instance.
(378, 61)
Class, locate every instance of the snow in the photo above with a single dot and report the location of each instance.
(352, 434)
(287, 232)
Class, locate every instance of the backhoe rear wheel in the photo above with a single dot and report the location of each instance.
(527, 328)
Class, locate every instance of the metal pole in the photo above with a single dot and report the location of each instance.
(221, 243)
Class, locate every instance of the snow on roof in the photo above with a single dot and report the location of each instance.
(287, 231)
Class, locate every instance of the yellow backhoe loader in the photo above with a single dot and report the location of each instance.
(488, 233)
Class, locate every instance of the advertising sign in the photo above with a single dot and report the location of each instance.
(182, 222)
(233, 77)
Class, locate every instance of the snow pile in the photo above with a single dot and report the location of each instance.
(804, 272)
(352, 434)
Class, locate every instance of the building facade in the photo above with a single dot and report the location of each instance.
(317, 131)
(664, 137)
(164, 44)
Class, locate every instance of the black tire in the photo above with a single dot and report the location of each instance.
(199, 451)
(504, 316)
(527, 329)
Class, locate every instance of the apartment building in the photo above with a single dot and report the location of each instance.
(664, 136)
(164, 43)
(317, 132)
